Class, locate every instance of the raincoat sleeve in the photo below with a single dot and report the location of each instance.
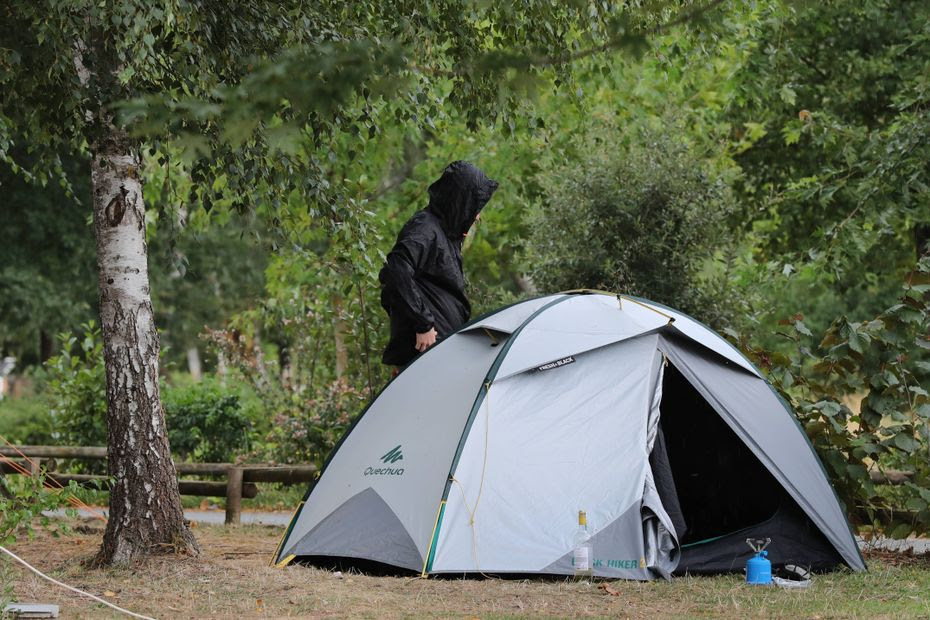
(401, 294)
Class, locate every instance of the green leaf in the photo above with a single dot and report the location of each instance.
(791, 134)
(854, 341)
(905, 441)
(788, 95)
(916, 504)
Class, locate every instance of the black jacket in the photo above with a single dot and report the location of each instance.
(422, 283)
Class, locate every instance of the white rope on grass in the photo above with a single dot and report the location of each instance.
(67, 587)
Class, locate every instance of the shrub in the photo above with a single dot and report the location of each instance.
(26, 420)
(26, 501)
(884, 363)
(303, 407)
(306, 429)
(205, 422)
(77, 389)
(641, 218)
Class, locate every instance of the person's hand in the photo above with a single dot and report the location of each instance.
(426, 340)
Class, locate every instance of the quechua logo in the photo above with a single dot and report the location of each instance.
(393, 455)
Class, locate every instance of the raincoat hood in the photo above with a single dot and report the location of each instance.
(458, 196)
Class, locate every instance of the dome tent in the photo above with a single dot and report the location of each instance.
(479, 455)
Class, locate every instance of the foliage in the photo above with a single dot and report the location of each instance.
(831, 110)
(26, 420)
(638, 215)
(46, 262)
(205, 423)
(77, 388)
(884, 363)
(308, 430)
(255, 96)
(204, 266)
(27, 501)
(305, 418)
(24, 502)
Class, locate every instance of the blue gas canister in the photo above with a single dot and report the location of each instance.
(759, 568)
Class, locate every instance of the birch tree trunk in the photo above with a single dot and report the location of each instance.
(145, 505)
(193, 364)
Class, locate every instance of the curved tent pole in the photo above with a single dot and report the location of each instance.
(276, 559)
(479, 399)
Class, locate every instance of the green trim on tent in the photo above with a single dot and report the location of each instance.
(742, 529)
(476, 406)
(332, 454)
(428, 566)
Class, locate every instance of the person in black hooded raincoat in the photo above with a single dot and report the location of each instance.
(422, 282)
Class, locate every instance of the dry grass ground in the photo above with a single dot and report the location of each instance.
(232, 579)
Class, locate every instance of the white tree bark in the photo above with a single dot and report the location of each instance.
(145, 505)
(193, 364)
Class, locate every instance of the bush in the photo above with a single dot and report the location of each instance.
(205, 422)
(883, 362)
(77, 389)
(26, 420)
(306, 429)
(27, 502)
(641, 219)
(305, 409)
(24, 500)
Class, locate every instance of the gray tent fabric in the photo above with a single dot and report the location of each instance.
(754, 412)
(427, 430)
(618, 550)
(478, 456)
(660, 539)
(364, 527)
(512, 317)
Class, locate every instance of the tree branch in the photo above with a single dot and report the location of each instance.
(566, 58)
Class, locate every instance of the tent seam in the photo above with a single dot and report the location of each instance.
(479, 399)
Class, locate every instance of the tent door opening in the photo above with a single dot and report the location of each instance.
(714, 485)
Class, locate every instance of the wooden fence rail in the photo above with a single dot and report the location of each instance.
(240, 479)
(56, 452)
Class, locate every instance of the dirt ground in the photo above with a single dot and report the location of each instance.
(233, 579)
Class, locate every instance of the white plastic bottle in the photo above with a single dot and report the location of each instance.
(583, 552)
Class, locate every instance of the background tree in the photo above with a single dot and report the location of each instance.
(64, 66)
(635, 214)
(833, 101)
(46, 262)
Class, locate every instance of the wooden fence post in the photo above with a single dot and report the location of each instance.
(233, 495)
(34, 466)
